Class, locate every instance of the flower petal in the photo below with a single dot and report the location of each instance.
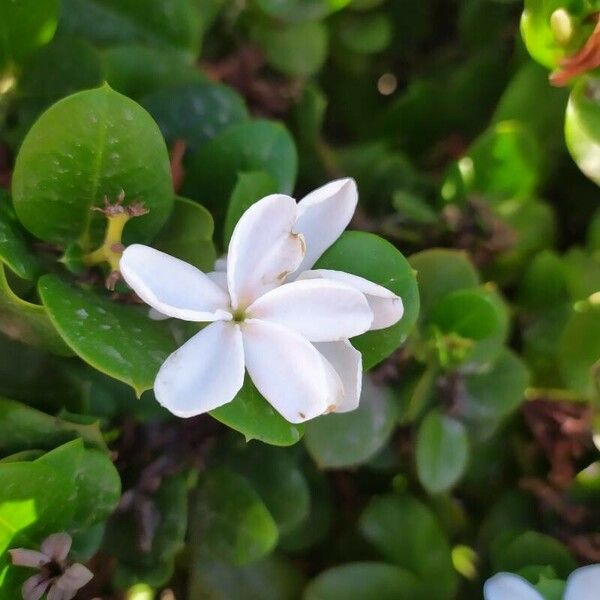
(55, 593)
(583, 584)
(322, 217)
(386, 306)
(506, 586)
(172, 286)
(74, 578)
(288, 371)
(205, 373)
(34, 587)
(263, 249)
(57, 546)
(347, 362)
(220, 278)
(21, 557)
(319, 309)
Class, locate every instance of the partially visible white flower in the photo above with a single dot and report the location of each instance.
(582, 584)
(292, 339)
(56, 577)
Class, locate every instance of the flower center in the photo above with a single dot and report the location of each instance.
(239, 315)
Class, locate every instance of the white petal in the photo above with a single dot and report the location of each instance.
(57, 546)
(323, 215)
(205, 373)
(263, 249)
(287, 370)
(34, 587)
(21, 557)
(386, 306)
(347, 362)
(319, 309)
(55, 593)
(506, 586)
(156, 315)
(74, 578)
(172, 286)
(220, 278)
(221, 263)
(583, 584)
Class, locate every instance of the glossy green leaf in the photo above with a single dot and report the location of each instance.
(111, 145)
(365, 34)
(27, 322)
(582, 273)
(442, 452)
(441, 271)
(97, 483)
(474, 324)
(14, 251)
(364, 581)
(300, 10)
(579, 351)
(188, 234)
(297, 50)
(375, 259)
(23, 427)
(114, 338)
(34, 503)
(137, 70)
(350, 439)
(255, 145)
(230, 520)
(269, 579)
(406, 533)
(194, 112)
(250, 187)
(25, 26)
(251, 415)
(171, 23)
(582, 124)
(493, 395)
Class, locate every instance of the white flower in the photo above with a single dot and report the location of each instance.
(582, 584)
(60, 580)
(292, 338)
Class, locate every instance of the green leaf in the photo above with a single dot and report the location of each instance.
(297, 50)
(65, 66)
(375, 259)
(300, 10)
(364, 581)
(97, 482)
(248, 146)
(250, 414)
(406, 533)
(582, 125)
(171, 23)
(230, 519)
(25, 26)
(440, 272)
(111, 144)
(349, 439)
(579, 351)
(365, 34)
(27, 322)
(13, 248)
(493, 395)
(533, 548)
(269, 579)
(23, 427)
(188, 234)
(114, 338)
(582, 271)
(194, 112)
(474, 324)
(250, 187)
(34, 503)
(137, 70)
(442, 452)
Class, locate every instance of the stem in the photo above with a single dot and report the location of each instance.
(111, 249)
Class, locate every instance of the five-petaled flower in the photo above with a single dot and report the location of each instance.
(56, 577)
(268, 313)
(582, 584)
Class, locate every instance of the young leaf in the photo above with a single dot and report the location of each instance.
(13, 247)
(116, 339)
(61, 173)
